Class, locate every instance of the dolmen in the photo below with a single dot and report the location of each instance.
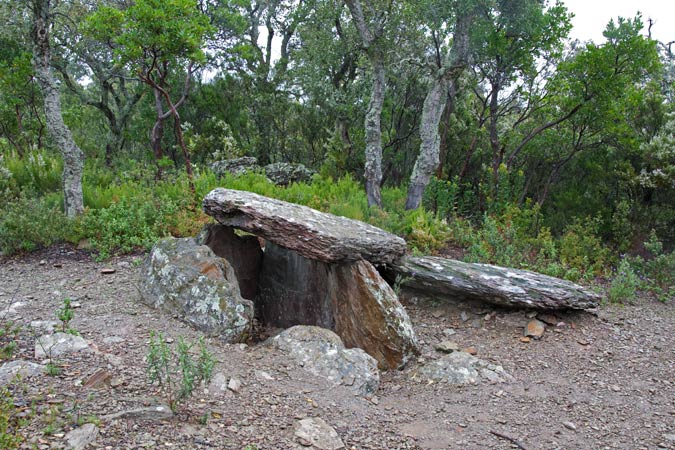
(285, 265)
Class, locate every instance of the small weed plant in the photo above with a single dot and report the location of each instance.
(178, 372)
(66, 314)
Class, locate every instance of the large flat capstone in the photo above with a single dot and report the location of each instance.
(313, 234)
(492, 284)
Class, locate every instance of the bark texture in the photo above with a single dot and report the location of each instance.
(434, 103)
(73, 157)
(371, 37)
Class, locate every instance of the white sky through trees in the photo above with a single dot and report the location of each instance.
(592, 16)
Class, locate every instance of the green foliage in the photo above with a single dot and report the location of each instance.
(8, 334)
(624, 284)
(122, 227)
(176, 371)
(65, 315)
(10, 423)
(582, 248)
(28, 223)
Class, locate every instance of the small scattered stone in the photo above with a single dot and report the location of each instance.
(113, 340)
(525, 339)
(45, 326)
(615, 388)
(535, 329)
(437, 314)
(262, 375)
(317, 433)
(43, 262)
(449, 332)
(548, 319)
(234, 385)
(583, 342)
(669, 437)
(570, 425)
(471, 350)
(80, 438)
(116, 382)
(447, 347)
(463, 316)
(108, 270)
(151, 413)
(98, 380)
(218, 383)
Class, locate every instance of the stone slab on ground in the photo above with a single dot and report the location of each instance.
(57, 344)
(460, 368)
(441, 277)
(20, 368)
(313, 234)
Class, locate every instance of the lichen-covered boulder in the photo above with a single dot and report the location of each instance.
(460, 368)
(322, 353)
(458, 280)
(368, 314)
(284, 174)
(236, 166)
(190, 281)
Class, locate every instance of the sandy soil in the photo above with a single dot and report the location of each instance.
(592, 382)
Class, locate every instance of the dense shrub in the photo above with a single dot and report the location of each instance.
(30, 223)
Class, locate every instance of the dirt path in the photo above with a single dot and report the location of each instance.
(592, 382)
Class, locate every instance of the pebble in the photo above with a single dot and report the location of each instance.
(449, 332)
(447, 347)
(234, 385)
(535, 329)
(570, 425)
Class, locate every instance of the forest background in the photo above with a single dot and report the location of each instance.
(473, 128)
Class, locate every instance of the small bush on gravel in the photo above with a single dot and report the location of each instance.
(177, 372)
(624, 285)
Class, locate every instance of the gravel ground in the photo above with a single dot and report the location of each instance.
(594, 381)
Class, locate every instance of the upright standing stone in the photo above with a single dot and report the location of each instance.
(350, 298)
(368, 314)
(292, 290)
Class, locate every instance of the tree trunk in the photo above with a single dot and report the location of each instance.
(73, 157)
(428, 159)
(434, 104)
(373, 172)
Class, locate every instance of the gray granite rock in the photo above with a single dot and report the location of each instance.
(284, 174)
(57, 344)
(235, 166)
(322, 353)
(21, 369)
(460, 368)
(190, 281)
